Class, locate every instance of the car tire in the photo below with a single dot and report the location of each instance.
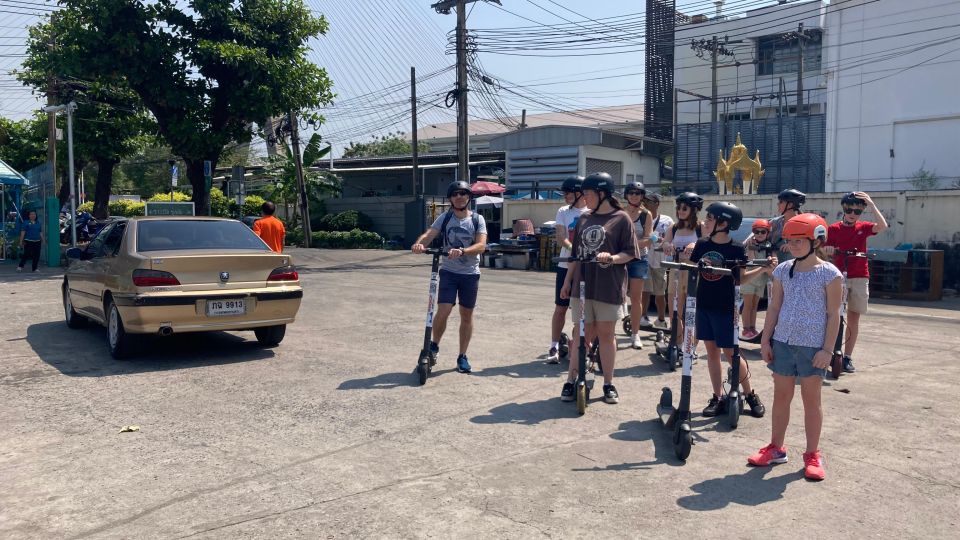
(270, 336)
(121, 343)
(74, 320)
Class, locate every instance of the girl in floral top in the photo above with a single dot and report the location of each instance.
(798, 336)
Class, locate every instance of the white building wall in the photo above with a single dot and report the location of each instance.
(694, 74)
(894, 86)
(633, 162)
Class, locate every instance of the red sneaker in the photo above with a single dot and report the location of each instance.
(813, 466)
(768, 455)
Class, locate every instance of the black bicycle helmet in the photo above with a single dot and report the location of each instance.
(652, 197)
(727, 212)
(635, 186)
(851, 199)
(791, 195)
(573, 184)
(601, 182)
(457, 186)
(690, 199)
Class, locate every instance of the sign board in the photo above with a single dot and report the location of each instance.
(169, 209)
(173, 175)
(208, 175)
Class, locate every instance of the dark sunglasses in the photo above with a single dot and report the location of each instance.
(461, 193)
(761, 231)
(856, 211)
(682, 207)
(628, 193)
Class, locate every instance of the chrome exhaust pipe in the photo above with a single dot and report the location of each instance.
(165, 330)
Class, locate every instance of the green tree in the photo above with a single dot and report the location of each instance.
(109, 119)
(391, 144)
(283, 169)
(206, 70)
(23, 143)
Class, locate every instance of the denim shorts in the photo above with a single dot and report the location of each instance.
(455, 286)
(561, 275)
(716, 326)
(794, 361)
(638, 268)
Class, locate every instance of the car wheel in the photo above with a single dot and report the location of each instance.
(270, 336)
(120, 343)
(74, 319)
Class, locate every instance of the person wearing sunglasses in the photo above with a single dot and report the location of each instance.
(464, 236)
(678, 245)
(656, 282)
(850, 234)
(639, 268)
(567, 218)
(754, 290)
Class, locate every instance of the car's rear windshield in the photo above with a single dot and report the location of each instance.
(163, 235)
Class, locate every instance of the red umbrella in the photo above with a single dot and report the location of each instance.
(486, 188)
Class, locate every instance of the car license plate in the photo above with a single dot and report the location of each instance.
(219, 308)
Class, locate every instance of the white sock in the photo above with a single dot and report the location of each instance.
(554, 344)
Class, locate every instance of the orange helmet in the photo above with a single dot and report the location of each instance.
(761, 224)
(810, 226)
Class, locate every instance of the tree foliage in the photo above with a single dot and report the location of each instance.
(23, 143)
(319, 184)
(206, 71)
(392, 144)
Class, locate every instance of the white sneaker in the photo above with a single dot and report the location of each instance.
(645, 322)
(553, 357)
(660, 324)
(635, 342)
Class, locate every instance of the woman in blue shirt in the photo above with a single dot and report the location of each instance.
(31, 239)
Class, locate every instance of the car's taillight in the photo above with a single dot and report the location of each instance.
(153, 278)
(284, 273)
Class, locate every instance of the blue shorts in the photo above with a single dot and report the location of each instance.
(638, 268)
(716, 326)
(794, 360)
(455, 286)
(561, 276)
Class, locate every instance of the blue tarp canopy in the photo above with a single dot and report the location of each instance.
(11, 177)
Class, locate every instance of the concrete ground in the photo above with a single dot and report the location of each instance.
(328, 435)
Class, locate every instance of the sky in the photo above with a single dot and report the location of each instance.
(371, 46)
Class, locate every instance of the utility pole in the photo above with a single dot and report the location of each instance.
(716, 49)
(801, 36)
(463, 142)
(414, 143)
(298, 161)
(523, 120)
(713, 80)
(52, 100)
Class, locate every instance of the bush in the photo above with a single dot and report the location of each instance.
(345, 221)
(219, 204)
(252, 204)
(355, 239)
(86, 207)
(178, 196)
(126, 208)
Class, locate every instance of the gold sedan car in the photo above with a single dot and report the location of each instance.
(165, 275)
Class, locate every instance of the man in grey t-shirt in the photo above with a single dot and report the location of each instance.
(464, 236)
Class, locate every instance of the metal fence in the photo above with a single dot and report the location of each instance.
(792, 151)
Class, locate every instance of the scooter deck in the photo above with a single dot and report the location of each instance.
(668, 414)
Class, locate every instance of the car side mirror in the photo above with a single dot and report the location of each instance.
(74, 253)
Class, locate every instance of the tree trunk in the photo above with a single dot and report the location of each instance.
(200, 195)
(101, 193)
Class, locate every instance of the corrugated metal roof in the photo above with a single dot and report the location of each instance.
(9, 176)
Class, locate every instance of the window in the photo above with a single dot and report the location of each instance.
(737, 116)
(779, 53)
(613, 168)
(186, 234)
(631, 178)
(112, 241)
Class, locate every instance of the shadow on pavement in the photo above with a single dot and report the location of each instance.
(748, 489)
(386, 381)
(529, 414)
(83, 352)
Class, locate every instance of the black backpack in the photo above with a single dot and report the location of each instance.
(441, 241)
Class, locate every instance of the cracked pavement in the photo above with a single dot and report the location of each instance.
(328, 435)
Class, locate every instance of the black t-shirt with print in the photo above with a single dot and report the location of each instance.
(715, 292)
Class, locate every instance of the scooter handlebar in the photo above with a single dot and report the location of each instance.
(589, 259)
(435, 251)
(695, 267)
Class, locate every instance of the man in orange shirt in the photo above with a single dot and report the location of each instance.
(269, 228)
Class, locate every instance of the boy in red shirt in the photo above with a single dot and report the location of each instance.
(850, 234)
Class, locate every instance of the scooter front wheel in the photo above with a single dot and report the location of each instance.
(672, 358)
(582, 394)
(682, 440)
(836, 366)
(733, 412)
(423, 369)
(627, 328)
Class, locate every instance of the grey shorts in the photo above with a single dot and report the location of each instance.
(794, 361)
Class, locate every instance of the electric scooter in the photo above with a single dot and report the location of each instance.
(733, 392)
(678, 418)
(427, 358)
(836, 361)
(669, 350)
(766, 249)
(585, 363)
